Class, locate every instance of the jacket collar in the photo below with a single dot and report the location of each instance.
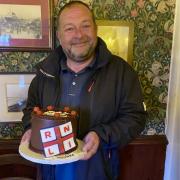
(50, 66)
(103, 55)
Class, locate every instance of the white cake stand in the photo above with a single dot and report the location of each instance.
(30, 155)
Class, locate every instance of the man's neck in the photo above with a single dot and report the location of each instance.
(78, 66)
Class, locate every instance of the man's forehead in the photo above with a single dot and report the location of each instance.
(78, 8)
(75, 14)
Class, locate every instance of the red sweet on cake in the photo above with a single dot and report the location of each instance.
(53, 130)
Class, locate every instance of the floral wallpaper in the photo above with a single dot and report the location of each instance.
(153, 33)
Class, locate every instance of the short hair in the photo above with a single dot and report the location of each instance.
(72, 3)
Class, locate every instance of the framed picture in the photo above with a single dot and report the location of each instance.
(26, 25)
(13, 96)
(118, 36)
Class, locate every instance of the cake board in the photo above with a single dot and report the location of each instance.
(33, 156)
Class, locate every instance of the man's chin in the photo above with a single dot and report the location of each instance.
(80, 54)
(80, 58)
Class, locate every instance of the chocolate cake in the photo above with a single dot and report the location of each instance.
(53, 130)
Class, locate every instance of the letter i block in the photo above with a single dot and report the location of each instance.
(69, 144)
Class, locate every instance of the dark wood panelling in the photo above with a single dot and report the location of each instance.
(12, 164)
(142, 159)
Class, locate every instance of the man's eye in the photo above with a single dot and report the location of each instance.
(86, 26)
(69, 29)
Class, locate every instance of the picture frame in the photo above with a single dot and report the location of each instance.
(118, 36)
(26, 25)
(13, 96)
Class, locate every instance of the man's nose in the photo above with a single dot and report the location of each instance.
(79, 32)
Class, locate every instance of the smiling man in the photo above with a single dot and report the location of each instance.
(83, 74)
(77, 34)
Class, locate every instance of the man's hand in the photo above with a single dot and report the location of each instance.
(91, 144)
(26, 136)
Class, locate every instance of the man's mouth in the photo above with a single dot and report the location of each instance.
(79, 44)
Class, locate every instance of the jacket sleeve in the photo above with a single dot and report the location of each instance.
(131, 115)
(32, 101)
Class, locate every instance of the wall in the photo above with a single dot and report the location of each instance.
(152, 52)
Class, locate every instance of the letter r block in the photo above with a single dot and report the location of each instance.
(47, 134)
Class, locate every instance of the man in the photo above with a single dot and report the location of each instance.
(83, 74)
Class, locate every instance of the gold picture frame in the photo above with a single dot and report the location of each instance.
(118, 36)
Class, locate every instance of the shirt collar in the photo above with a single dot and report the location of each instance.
(64, 66)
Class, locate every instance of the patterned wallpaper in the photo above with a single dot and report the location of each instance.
(151, 55)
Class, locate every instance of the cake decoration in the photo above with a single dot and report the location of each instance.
(53, 130)
(58, 139)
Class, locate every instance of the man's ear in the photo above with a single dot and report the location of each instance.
(58, 36)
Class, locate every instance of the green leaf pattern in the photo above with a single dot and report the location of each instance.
(151, 57)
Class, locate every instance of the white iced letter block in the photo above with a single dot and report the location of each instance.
(69, 144)
(66, 129)
(51, 150)
(47, 135)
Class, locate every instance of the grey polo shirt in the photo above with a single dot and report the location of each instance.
(72, 84)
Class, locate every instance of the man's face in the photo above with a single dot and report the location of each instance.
(77, 33)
